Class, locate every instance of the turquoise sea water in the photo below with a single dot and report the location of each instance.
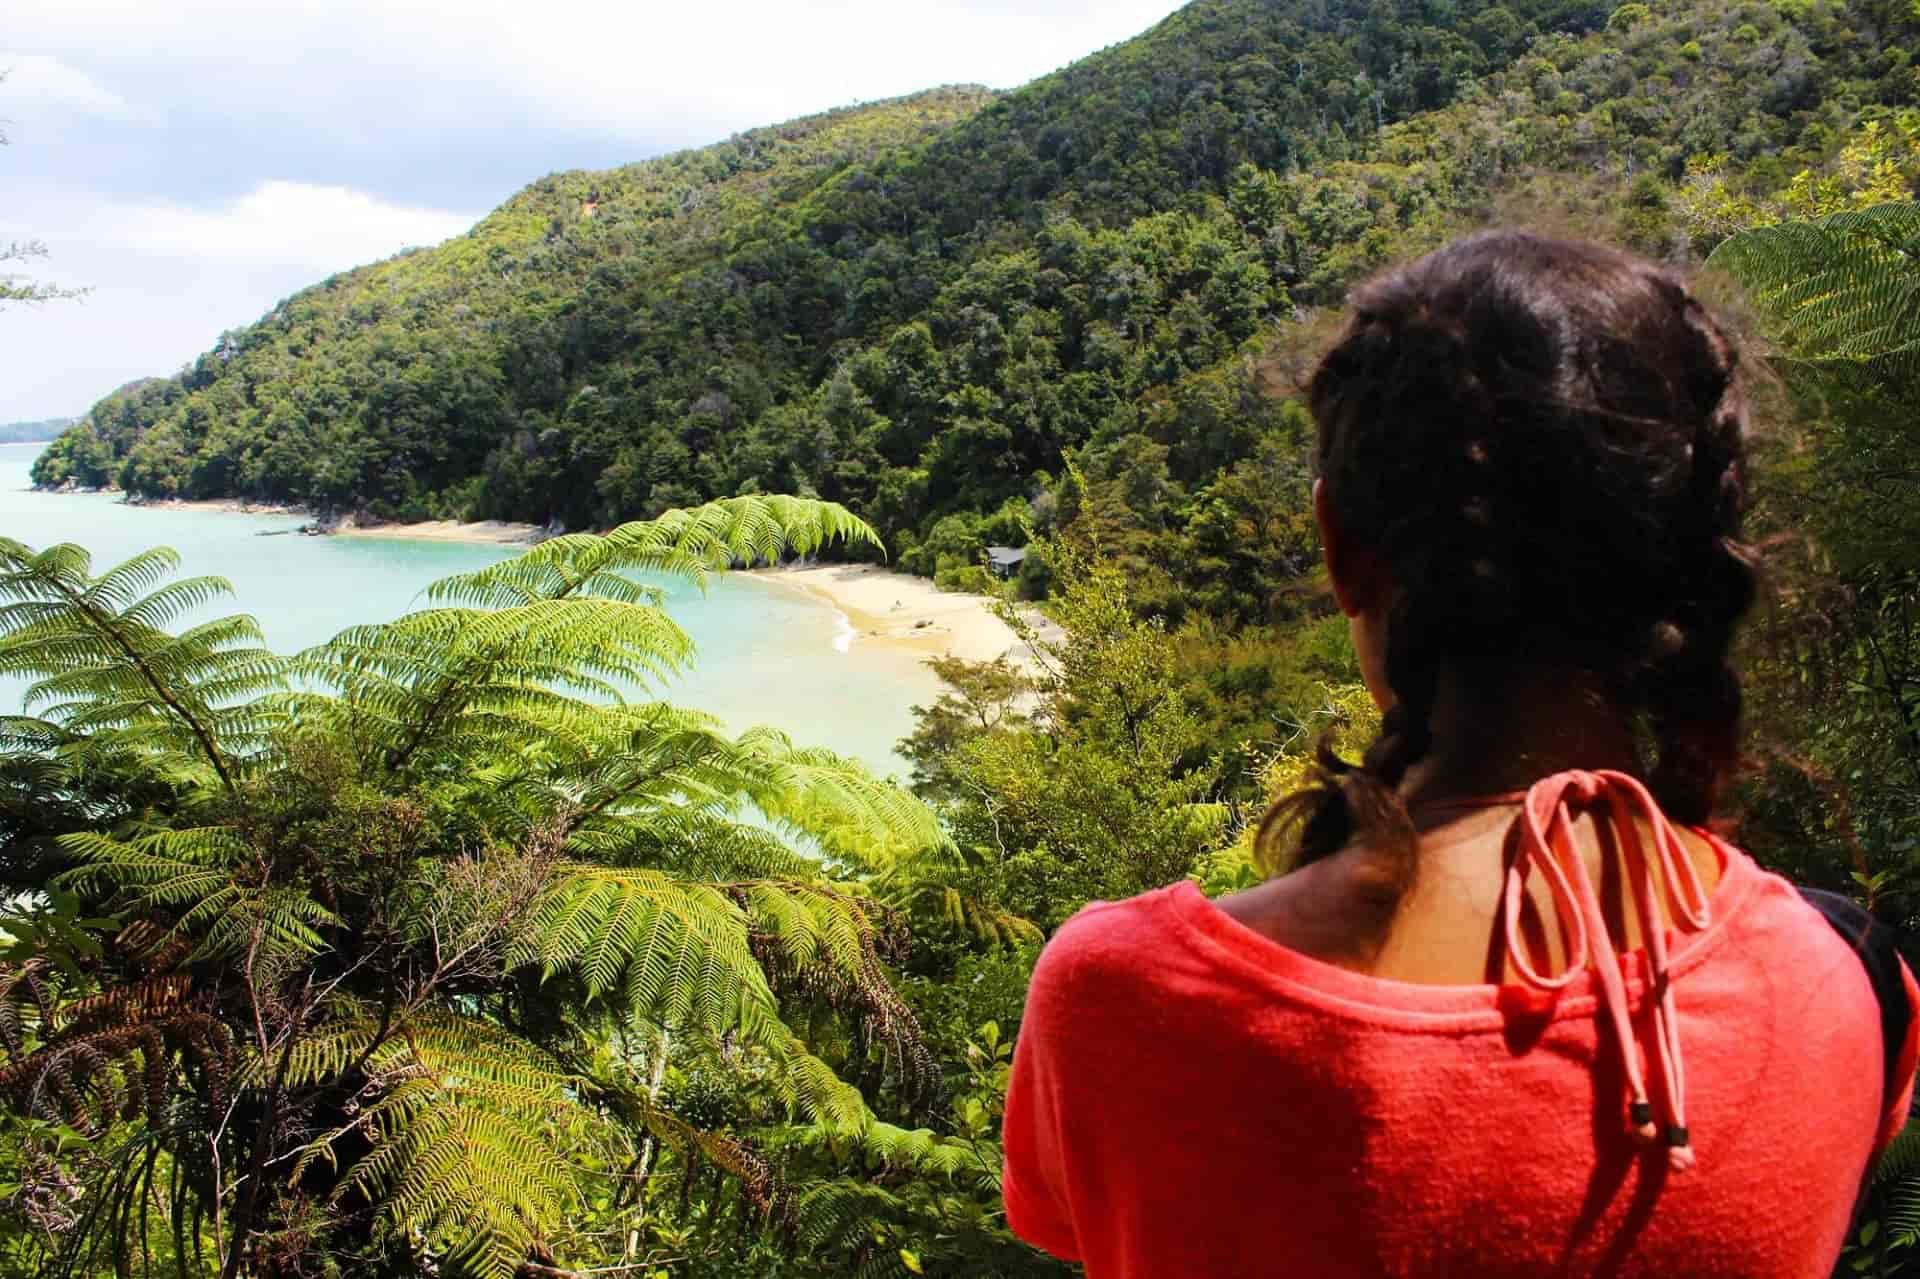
(767, 654)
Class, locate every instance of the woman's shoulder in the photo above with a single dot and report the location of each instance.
(1769, 909)
(1105, 944)
(1104, 932)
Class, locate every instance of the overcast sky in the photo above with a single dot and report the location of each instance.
(194, 161)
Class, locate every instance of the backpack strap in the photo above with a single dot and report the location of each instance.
(1873, 942)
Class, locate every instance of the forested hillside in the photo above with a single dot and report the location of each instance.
(921, 307)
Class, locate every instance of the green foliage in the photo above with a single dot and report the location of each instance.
(427, 914)
(1837, 672)
(1839, 290)
(1627, 16)
(104, 664)
(1882, 1242)
(1878, 164)
(1086, 779)
(1840, 672)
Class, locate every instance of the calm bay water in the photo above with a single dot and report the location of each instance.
(766, 654)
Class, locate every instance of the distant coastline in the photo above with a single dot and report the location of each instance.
(481, 532)
(880, 605)
(44, 431)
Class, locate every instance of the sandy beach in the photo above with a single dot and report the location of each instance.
(899, 609)
(218, 505)
(489, 532)
(493, 532)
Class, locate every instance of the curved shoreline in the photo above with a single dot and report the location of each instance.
(901, 610)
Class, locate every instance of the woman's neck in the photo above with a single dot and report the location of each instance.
(1494, 738)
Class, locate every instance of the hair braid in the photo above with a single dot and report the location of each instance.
(1454, 580)
(1691, 686)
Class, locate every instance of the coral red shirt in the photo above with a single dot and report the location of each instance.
(1192, 1098)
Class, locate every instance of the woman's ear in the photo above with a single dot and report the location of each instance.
(1359, 577)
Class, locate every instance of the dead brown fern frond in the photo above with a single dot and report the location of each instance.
(87, 1078)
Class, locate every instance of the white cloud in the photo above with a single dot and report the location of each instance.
(166, 279)
(327, 227)
(49, 86)
(689, 72)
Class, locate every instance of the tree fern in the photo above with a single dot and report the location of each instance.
(705, 958)
(1897, 1180)
(101, 660)
(676, 953)
(478, 1181)
(837, 802)
(461, 1125)
(1840, 292)
(400, 895)
(193, 876)
(905, 1226)
(459, 682)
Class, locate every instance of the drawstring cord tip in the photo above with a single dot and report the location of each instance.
(1545, 834)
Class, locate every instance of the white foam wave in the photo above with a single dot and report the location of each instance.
(843, 632)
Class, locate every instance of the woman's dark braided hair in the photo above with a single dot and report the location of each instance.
(1543, 441)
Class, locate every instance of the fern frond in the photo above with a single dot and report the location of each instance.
(712, 847)
(480, 1184)
(1839, 291)
(853, 1226)
(155, 997)
(837, 802)
(690, 543)
(87, 1077)
(1901, 1159)
(117, 589)
(682, 953)
(433, 681)
(675, 952)
(633, 759)
(96, 653)
(744, 1163)
(190, 874)
(831, 1215)
(26, 1004)
(166, 605)
(930, 1154)
(988, 923)
(1903, 1212)
(466, 1134)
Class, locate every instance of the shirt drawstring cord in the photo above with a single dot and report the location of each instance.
(1546, 845)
